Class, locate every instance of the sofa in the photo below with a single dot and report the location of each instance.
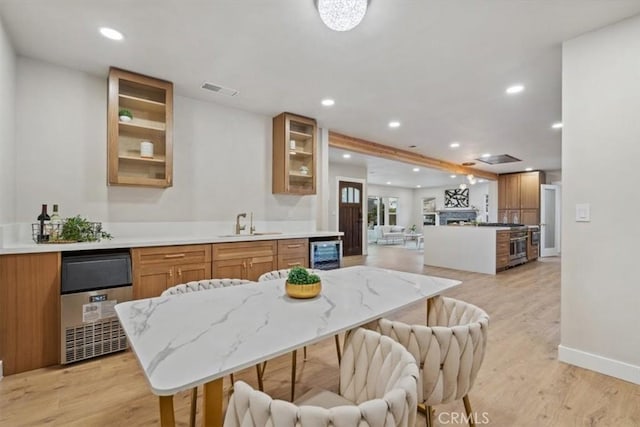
(389, 234)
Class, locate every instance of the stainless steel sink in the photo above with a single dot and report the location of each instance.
(266, 233)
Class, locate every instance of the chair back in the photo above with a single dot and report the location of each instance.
(385, 391)
(449, 351)
(203, 285)
(281, 274)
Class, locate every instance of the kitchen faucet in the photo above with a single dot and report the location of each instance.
(239, 227)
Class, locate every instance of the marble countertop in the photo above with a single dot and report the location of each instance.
(186, 340)
(133, 242)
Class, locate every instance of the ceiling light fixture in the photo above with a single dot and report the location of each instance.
(346, 155)
(481, 180)
(453, 176)
(328, 102)
(463, 186)
(388, 182)
(394, 124)
(557, 125)
(485, 155)
(112, 34)
(529, 169)
(512, 90)
(418, 186)
(454, 145)
(342, 15)
(416, 169)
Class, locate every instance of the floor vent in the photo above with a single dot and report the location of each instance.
(219, 89)
(499, 158)
(95, 339)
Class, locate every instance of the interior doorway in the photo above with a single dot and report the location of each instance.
(549, 220)
(350, 216)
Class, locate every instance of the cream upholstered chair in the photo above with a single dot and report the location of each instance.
(204, 285)
(449, 350)
(283, 274)
(378, 387)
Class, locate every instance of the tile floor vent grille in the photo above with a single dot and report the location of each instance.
(94, 339)
(219, 89)
(498, 159)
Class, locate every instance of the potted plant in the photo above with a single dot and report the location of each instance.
(413, 229)
(301, 284)
(78, 229)
(125, 115)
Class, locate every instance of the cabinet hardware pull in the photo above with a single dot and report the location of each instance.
(293, 246)
(244, 264)
(174, 256)
(251, 264)
(171, 272)
(179, 272)
(291, 264)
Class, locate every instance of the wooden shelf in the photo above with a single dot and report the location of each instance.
(295, 174)
(151, 104)
(299, 153)
(289, 159)
(137, 158)
(299, 135)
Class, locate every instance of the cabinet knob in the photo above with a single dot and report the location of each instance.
(171, 272)
(179, 272)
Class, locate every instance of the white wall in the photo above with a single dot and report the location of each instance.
(222, 157)
(600, 151)
(342, 170)
(476, 198)
(405, 213)
(7, 128)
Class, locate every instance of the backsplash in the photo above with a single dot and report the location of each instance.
(467, 215)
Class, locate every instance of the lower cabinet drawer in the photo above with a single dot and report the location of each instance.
(286, 262)
(185, 254)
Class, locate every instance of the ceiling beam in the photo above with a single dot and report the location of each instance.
(362, 146)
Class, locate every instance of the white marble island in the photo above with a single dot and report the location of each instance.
(467, 248)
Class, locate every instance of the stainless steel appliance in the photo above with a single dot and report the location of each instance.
(430, 218)
(518, 238)
(92, 284)
(326, 255)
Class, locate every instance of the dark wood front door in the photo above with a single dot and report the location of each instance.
(350, 217)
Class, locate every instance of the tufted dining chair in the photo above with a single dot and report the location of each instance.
(205, 285)
(283, 274)
(378, 387)
(449, 350)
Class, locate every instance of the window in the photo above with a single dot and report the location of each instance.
(382, 211)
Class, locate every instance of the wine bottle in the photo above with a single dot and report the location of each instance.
(55, 224)
(44, 219)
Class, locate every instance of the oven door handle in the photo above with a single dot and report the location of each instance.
(516, 239)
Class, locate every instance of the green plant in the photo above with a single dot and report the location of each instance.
(125, 112)
(300, 276)
(79, 229)
(413, 228)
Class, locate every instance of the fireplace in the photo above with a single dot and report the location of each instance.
(455, 216)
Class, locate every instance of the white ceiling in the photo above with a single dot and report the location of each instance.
(440, 67)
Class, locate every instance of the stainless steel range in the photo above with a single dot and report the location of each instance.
(518, 238)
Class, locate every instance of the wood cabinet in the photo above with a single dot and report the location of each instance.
(519, 197)
(502, 249)
(294, 155)
(293, 252)
(150, 102)
(243, 260)
(159, 268)
(29, 311)
(532, 250)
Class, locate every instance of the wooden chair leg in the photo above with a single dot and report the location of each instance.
(264, 367)
(429, 416)
(294, 357)
(194, 407)
(338, 351)
(467, 408)
(260, 383)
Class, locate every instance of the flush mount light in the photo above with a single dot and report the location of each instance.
(346, 156)
(342, 15)
(512, 90)
(327, 102)
(454, 145)
(394, 124)
(388, 182)
(529, 169)
(418, 186)
(557, 125)
(110, 33)
(453, 176)
(416, 169)
(485, 155)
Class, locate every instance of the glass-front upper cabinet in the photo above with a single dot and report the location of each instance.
(294, 154)
(140, 129)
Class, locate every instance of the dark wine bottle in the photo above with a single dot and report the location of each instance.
(43, 219)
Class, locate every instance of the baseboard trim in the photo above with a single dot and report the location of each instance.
(603, 365)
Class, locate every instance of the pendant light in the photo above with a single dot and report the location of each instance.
(342, 15)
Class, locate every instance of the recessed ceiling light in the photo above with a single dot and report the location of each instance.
(328, 102)
(416, 169)
(346, 156)
(529, 169)
(557, 125)
(110, 33)
(512, 90)
(454, 145)
(485, 155)
(388, 182)
(481, 180)
(394, 124)
(453, 176)
(418, 186)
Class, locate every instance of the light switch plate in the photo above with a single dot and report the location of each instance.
(583, 212)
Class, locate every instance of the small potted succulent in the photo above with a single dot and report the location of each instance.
(125, 115)
(301, 284)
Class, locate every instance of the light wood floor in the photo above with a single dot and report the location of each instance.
(521, 383)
